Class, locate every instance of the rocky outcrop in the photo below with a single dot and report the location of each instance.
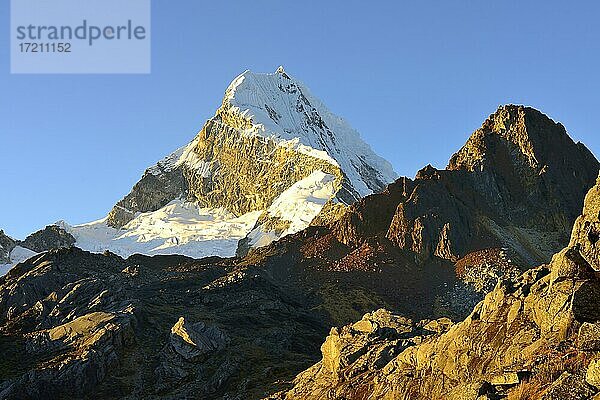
(517, 183)
(586, 231)
(88, 347)
(6, 246)
(533, 339)
(194, 340)
(72, 331)
(51, 237)
(156, 189)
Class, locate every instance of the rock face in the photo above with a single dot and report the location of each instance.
(6, 246)
(269, 134)
(16, 251)
(535, 339)
(51, 237)
(517, 183)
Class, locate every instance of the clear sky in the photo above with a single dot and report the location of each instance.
(415, 78)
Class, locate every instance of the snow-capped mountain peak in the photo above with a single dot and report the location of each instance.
(270, 161)
(280, 106)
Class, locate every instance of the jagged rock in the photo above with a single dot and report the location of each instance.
(51, 237)
(193, 340)
(440, 325)
(6, 246)
(155, 190)
(592, 375)
(132, 270)
(568, 387)
(350, 345)
(585, 302)
(371, 216)
(587, 227)
(87, 346)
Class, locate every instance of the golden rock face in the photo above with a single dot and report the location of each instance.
(247, 172)
(230, 167)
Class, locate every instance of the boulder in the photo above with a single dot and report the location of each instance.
(569, 387)
(588, 338)
(592, 375)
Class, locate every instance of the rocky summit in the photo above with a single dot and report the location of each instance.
(477, 281)
(517, 183)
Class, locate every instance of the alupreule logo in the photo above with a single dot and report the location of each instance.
(80, 36)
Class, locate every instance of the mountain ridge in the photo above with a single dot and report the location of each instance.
(444, 213)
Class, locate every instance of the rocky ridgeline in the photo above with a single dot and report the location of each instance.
(76, 324)
(538, 338)
(517, 183)
(51, 237)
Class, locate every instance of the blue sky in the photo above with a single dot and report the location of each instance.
(414, 78)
